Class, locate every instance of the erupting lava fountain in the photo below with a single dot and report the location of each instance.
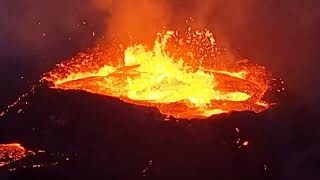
(182, 75)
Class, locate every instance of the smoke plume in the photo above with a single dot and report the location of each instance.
(143, 18)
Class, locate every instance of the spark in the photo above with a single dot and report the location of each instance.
(245, 143)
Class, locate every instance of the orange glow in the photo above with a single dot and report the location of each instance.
(11, 152)
(182, 75)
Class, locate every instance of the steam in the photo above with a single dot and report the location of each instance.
(143, 18)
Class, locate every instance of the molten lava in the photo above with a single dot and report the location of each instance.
(11, 152)
(182, 75)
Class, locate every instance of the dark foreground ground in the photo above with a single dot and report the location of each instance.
(95, 137)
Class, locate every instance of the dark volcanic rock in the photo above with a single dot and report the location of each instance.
(116, 140)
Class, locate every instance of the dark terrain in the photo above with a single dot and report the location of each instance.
(109, 139)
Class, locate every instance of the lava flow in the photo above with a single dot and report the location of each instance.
(182, 75)
(11, 152)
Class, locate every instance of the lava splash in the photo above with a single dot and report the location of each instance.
(182, 74)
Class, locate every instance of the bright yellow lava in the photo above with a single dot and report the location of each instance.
(160, 78)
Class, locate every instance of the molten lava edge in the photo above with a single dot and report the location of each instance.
(11, 152)
(182, 75)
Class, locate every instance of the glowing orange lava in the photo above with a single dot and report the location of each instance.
(11, 152)
(182, 75)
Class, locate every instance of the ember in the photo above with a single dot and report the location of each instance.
(182, 75)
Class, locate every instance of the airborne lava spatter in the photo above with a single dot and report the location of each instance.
(181, 75)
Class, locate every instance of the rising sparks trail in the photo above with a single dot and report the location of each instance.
(182, 75)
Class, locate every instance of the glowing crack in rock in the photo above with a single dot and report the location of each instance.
(182, 75)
